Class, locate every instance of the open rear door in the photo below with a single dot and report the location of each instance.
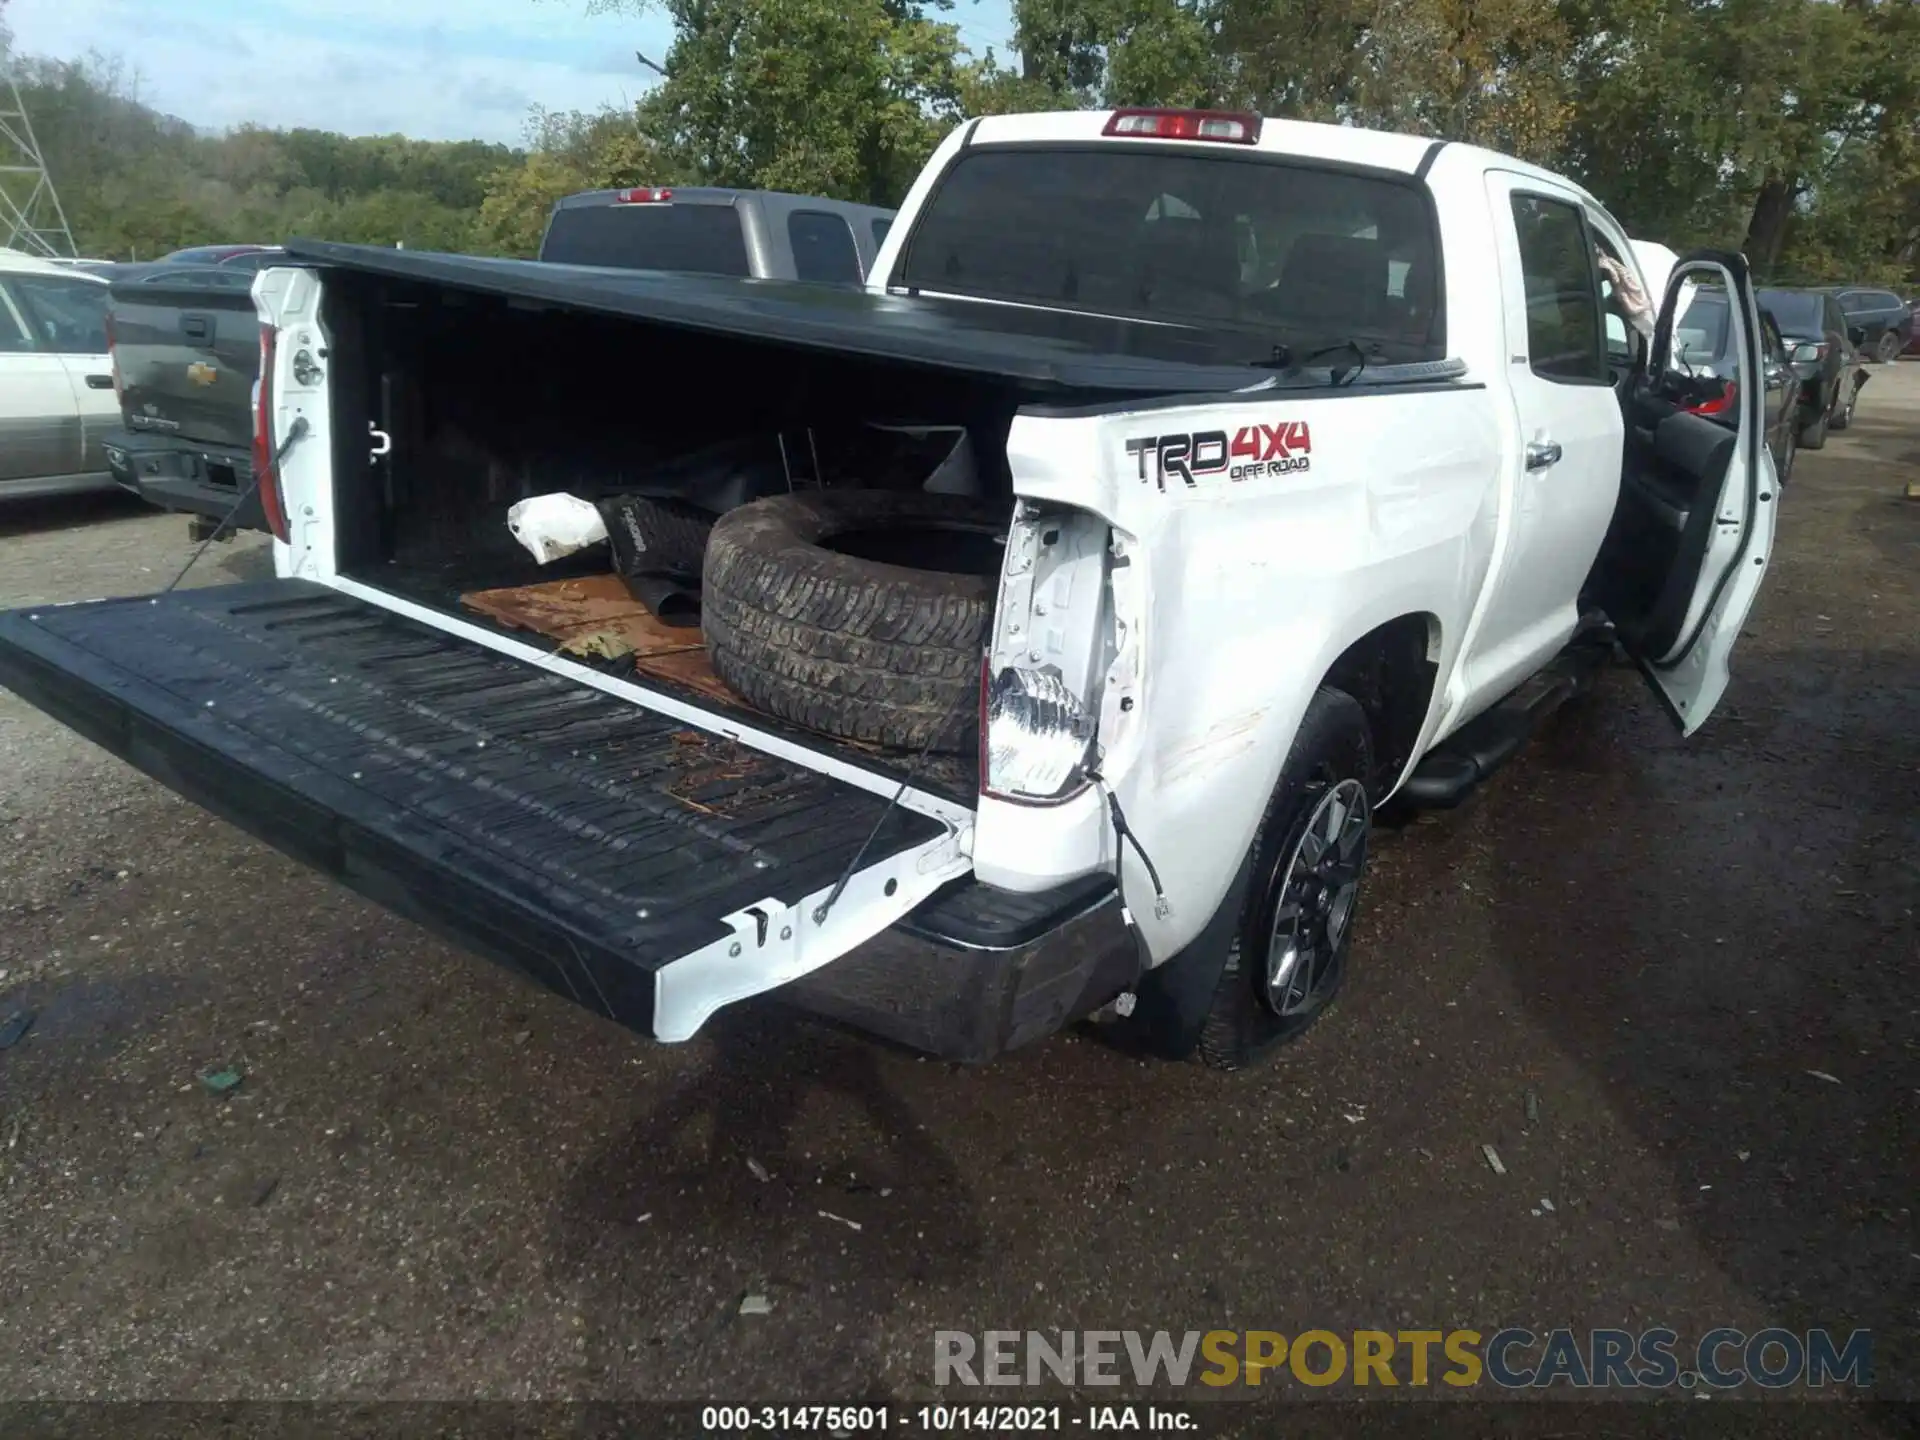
(644, 869)
(1699, 474)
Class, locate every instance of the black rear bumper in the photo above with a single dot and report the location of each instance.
(546, 825)
(177, 474)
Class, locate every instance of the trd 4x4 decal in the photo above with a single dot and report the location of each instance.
(1251, 452)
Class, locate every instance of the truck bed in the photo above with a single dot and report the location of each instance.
(584, 840)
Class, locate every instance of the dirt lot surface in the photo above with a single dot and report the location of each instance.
(1673, 985)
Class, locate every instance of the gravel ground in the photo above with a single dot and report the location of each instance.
(439, 1182)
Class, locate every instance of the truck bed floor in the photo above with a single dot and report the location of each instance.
(447, 585)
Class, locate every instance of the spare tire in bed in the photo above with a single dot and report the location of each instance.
(858, 613)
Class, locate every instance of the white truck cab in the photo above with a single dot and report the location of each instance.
(1322, 479)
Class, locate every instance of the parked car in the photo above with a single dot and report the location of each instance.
(1823, 356)
(185, 348)
(1706, 354)
(1913, 339)
(1879, 322)
(708, 231)
(56, 386)
(1300, 486)
(219, 254)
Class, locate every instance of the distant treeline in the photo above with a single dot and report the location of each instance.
(1789, 129)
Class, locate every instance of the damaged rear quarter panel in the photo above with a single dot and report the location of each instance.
(1249, 588)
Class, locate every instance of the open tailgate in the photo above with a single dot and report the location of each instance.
(644, 869)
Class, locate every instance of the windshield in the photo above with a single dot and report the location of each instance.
(700, 239)
(1796, 311)
(1305, 256)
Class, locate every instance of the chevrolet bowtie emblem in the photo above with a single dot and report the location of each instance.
(201, 373)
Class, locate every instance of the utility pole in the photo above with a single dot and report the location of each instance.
(30, 215)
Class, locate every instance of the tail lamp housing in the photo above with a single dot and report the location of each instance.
(1043, 679)
(266, 473)
(1036, 736)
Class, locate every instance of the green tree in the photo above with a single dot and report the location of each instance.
(835, 97)
(1490, 72)
(135, 183)
(1116, 52)
(1786, 128)
(572, 151)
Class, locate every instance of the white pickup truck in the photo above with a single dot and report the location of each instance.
(1316, 475)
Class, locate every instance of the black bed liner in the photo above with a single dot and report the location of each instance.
(533, 819)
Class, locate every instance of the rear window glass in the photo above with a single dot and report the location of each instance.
(880, 229)
(702, 239)
(257, 260)
(822, 246)
(1702, 331)
(200, 277)
(1305, 255)
(1800, 313)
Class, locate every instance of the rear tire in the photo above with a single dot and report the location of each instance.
(1888, 350)
(1842, 415)
(1814, 436)
(1288, 956)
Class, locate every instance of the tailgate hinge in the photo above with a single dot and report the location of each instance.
(772, 944)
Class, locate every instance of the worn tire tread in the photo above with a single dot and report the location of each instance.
(849, 647)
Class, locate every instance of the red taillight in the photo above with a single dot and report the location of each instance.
(643, 195)
(266, 474)
(1226, 126)
(113, 364)
(1719, 404)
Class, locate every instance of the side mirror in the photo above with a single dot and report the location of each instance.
(1806, 354)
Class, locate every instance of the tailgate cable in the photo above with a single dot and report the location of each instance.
(1123, 835)
(297, 431)
(913, 772)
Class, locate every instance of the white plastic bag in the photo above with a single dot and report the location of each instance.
(554, 525)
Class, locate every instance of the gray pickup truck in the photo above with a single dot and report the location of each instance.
(758, 233)
(186, 342)
(186, 347)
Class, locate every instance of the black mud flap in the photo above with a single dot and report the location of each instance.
(649, 871)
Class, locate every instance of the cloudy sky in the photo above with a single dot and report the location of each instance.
(436, 69)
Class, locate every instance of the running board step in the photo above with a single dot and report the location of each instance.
(1458, 765)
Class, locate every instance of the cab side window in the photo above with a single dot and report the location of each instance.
(1623, 341)
(69, 316)
(823, 247)
(15, 338)
(1565, 338)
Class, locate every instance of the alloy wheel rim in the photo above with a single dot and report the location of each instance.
(1315, 898)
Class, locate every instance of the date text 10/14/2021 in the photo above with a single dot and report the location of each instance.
(851, 1420)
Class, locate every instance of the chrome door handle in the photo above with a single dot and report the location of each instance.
(1542, 453)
